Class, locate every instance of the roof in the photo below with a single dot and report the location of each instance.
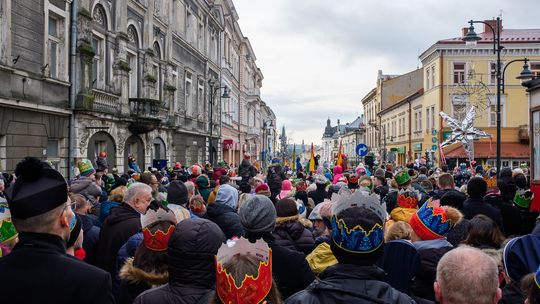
(489, 150)
(507, 35)
(356, 124)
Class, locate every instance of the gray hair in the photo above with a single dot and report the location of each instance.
(190, 187)
(134, 190)
(467, 275)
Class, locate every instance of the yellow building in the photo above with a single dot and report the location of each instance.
(457, 76)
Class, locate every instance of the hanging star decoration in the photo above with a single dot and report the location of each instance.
(464, 131)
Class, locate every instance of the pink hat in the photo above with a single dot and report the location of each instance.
(286, 187)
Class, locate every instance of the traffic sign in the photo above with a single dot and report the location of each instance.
(362, 150)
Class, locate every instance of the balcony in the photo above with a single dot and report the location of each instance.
(253, 91)
(100, 101)
(145, 113)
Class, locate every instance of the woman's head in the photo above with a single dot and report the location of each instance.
(398, 231)
(484, 232)
(117, 194)
(148, 258)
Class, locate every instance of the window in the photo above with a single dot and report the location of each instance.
(432, 117)
(53, 43)
(433, 76)
(428, 78)
(492, 73)
(189, 97)
(420, 120)
(428, 117)
(174, 80)
(98, 62)
(459, 73)
(200, 97)
(52, 148)
(535, 69)
(133, 73)
(492, 110)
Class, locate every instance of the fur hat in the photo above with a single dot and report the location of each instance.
(263, 189)
(431, 223)
(85, 167)
(286, 208)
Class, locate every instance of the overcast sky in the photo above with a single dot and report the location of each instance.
(319, 58)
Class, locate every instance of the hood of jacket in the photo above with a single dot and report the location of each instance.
(191, 251)
(134, 275)
(293, 229)
(245, 163)
(337, 170)
(214, 210)
(202, 182)
(227, 195)
(121, 213)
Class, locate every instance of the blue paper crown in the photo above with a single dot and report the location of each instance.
(356, 240)
(433, 221)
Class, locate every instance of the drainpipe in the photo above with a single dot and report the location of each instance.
(72, 87)
(410, 131)
(441, 96)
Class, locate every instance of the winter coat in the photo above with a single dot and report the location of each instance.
(510, 215)
(105, 209)
(472, 207)
(391, 200)
(321, 258)
(128, 251)
(226, 218)
(218, 172)
(123, 222)
(382, 191)
(346, 283)
(38, 270)
(246, 170)
(85, 186)
(337, 174)
(511, 293)
(318, 195)
(135, 281)
(203, 185)
(90, 239)
(290, 269)
(192, 272)
(431, 252)
(295, 236)
(275, 177)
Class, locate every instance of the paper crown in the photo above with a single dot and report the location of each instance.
(523, 198)
(491, 182)
(7, 230)
(151, 216)
(159, 240)
(357, 239)
(402, 177)
(252, 289)
(430, 222)
(85, 167)
(408, 199)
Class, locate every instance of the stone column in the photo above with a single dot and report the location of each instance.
(5, 32)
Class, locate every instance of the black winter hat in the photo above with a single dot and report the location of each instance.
(38, 189)
(476, 187)
(177, 193)
(286, 207)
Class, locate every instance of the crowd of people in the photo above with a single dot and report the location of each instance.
(203, 234)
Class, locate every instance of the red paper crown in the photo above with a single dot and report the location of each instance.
(407, 200)
(159, 240)
(253, 289)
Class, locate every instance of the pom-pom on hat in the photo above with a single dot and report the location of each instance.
(402, 178)
(38, 189)
(85, 167)
(431, 223)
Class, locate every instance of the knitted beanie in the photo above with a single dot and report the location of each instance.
(258, 215)
(286, 207)
(85, 167)
(431, 223)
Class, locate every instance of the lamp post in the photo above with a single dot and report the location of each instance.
(471, 38)
(267, 126)
(213, 91)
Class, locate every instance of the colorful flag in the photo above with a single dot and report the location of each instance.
(312, 160)
(294, 157)
(339, 161)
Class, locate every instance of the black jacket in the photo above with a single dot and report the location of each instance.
(472, 207)
(39, 271)
(246, 170)
(295, 236)
(275, 176)
(90, 239)
(123, 222)
(226, 218)
(451, 197)
(318, 195)
(382, 191)
(192, 272)
(510, 214)
(343, 283)
(431, 252)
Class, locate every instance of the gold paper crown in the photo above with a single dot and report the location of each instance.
(491, 182)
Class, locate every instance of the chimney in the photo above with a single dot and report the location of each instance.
(465, 31)
(493, 24)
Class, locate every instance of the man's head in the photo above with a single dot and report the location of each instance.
(139, 197)
(190, 188)
(446, 181)
(150, 179)
(39, 200)
(177, 193)
(467, 275)
(476, 188)
(258, 216)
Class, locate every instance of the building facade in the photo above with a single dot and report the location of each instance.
(458, 76)
(146, 77)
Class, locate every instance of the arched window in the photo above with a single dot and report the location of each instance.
(157, 50)
(99, 15)
(133, 60)
(99, 44)
(158, 69)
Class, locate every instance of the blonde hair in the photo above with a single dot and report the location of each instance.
(117, 194)
(398, 231)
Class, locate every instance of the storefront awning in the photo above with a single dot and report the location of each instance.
(489, 150)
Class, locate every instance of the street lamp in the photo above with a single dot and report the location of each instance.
(471, 38)
(267, 126)
(213, 91)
